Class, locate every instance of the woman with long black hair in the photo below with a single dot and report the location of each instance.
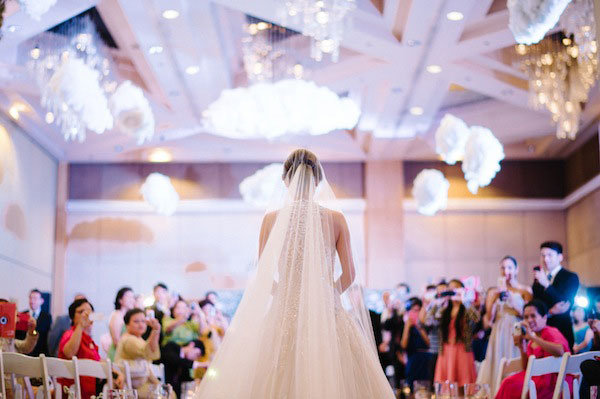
(457, 321)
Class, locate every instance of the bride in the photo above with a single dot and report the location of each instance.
(301, 330)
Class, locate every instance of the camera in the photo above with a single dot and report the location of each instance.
(537, 268)
(446, 293)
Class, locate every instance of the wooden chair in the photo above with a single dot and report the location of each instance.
(537, 367)
(16, 364)
(61, 368)
(507, 367)
(571, 365)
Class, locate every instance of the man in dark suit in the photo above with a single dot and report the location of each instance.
(43, 319)
(556, 287)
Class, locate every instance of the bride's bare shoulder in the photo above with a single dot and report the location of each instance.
(337, 217)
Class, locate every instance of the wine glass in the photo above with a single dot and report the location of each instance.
(446, 390)
(477, 391)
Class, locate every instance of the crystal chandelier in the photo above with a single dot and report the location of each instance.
(66, 65)
(267, 54)
(563, 68)
(323, 21)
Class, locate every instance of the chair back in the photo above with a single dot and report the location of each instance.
(17, 364)
(159, 371)
(2, 383)
(98, 369)
(126, 370)
(537, 367)
(507, 367)
(571, 364)
(62, 368)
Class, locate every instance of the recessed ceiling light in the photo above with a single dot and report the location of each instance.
(12, 28)
(160, 155)
(170, 14)
(16, 108)
(155, 50)
(192, 69)
(35, 53)
(413, 43)
(416, 111)
(49, 117)
(455, 16)
(434, 68)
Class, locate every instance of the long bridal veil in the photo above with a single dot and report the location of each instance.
(301, 329)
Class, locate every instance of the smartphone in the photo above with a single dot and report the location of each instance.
(537, 268)
(518, 329)
(96, 316)
(150, 313)
(447, 293)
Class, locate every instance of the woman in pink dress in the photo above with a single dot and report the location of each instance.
(455, 360)
(539, 340)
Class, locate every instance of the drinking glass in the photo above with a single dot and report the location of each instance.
(128, 394)
(113, 394)
(187, 389)
(477, 391)
(161, 391)
(422, 389)
(446, 390)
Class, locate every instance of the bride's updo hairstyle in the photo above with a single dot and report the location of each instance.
(302, 157)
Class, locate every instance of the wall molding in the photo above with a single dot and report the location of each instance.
(213, 206)
(514, 204)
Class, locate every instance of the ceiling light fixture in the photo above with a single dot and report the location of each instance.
(160, 155)
(15, 109)
(170, 14)
(455, 16)
(434, 68)
(416, 111)
(155, 50)
(12, 28)
(192, 69)
(49, 117)
(35, 53)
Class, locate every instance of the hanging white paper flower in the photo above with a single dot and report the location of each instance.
(75, 85)
(36, 8)
(430, 190)
(158, 191)
(483, 154)
(263, 186)
(530, 20)
(132, 112)
(290, 106)
(450, 138)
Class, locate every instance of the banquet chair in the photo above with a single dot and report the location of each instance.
(507, 367)
(61, 368)
(537, 367)
(127, 372)
(98, 369)
(16, 364)
(571, 365)
(159, 371)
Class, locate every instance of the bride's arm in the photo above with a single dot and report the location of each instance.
(345, 253)
(265, 230)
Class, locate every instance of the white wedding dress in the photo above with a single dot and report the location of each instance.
(295, 335)
(501, 342)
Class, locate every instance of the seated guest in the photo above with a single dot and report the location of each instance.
(61, 324)
(183, 325)
(180, 362)
(416, 343)
(77, 341)
(25, 345)
(584, 336)
(124, 301)
(539, 340)
(43, 322)
(457, 320)
(139, 353)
